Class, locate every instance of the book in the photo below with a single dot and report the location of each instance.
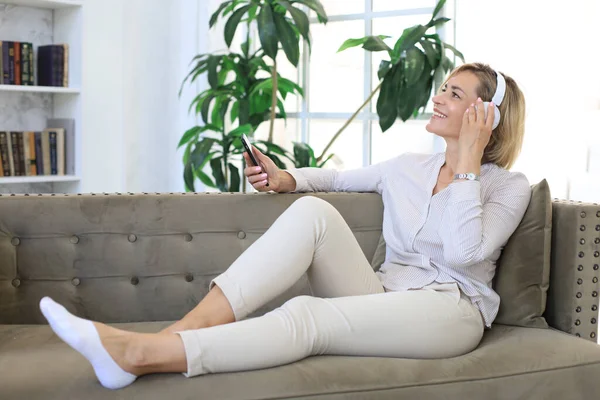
(14, 149)
(11, 63)
(65, 82)
(26, 153)
(5, 63)
(17, 46)
(46, 151)
(31, 67)
(1, 67)
(26, 49)
(32, 154)
(4, 153)
(68, 126)
(53, 155)
(39, 159)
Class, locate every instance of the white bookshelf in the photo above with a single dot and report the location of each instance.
(27, 108)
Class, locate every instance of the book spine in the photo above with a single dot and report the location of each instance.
(14, 138)
(25, 49)
(2, 44)
(39, 159)
(5, 63)
(11, 62)
(53, 160)
(4, 152)
(66, 65)
(45, 65)
(17, 63)
(32, 154)
(22, 165)
(59, 55)
(31, 70)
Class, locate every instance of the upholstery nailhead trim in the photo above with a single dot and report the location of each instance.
(15, 241)
(16, 282)
(189, 277)
(135, 280)
(132, 238)
(241, 235)
(75, 281)
(74, 239)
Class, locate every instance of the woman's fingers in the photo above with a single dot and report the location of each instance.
(480, 111)
(490, 119)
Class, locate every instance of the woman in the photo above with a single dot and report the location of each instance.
(432, 298)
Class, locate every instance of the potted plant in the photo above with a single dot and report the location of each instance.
(237, 94)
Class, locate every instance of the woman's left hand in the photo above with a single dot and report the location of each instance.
(476, 130)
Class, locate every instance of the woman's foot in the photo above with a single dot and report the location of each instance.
(109, 350)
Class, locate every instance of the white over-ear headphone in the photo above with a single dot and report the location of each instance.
(497, 99)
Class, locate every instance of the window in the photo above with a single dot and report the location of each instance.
(336, 84)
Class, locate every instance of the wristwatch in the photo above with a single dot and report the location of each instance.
(468, 176)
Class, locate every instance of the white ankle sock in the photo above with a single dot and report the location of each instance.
(81, 334)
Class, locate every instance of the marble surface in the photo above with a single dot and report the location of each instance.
(25, 111)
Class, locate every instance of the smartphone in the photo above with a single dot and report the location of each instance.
(248, 147)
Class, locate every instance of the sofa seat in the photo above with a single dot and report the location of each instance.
(510, 363)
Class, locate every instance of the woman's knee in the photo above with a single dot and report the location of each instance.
(314, 207)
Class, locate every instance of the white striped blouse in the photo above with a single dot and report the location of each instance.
(455, 235)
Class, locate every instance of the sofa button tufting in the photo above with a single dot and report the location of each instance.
(593, 320)
(595, 267)
(597, 240)
(598, 214)
(188, 237)
(595, 280)
(582, 228)
(594, 307)
(594, 294)
(583, 214)
(581, 254)
(579, 281)
(578, 309)
(580, 267)
(241, 235)
(16, 282)
(597, 254)
(582, 241)
(593, 335)
(75, 281)
(135, 280)
(598, 228)
(189, 277)
(578, 335)
(74, 239)
(578, 295)
(15, 241)
(577, 322)
(132, 238)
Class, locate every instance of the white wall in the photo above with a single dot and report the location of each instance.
(136, 53)
(548, 48)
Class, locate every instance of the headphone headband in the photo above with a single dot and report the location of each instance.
(500, 89)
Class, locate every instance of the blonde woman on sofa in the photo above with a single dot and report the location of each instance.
(446, 218)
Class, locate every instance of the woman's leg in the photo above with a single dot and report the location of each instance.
(309, 237)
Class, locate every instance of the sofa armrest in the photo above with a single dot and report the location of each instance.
(572, 303)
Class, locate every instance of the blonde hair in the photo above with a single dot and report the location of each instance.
(507, 139)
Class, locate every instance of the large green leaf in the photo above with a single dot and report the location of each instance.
(414, 64)
(316, 6)
(235, 108)
(267, 31)
(438, 8)
(273, 148)
(215, 16)
(303, 154)
(300, 18)
(205, 179)
(433, 57)
(409, 37)
(189, 134)
(287, 37)
(206, 106)
(188, 177)
(352, 43)
(376, 43)
(384, 67)
(455, 51)
(240, 130)
(234, 178)
(217, 171)
(233, 22)
(201, 151)
(386, 104)
(437, 22)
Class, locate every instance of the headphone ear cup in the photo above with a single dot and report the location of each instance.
(486, 104)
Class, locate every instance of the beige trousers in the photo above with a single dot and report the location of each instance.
(350, 314)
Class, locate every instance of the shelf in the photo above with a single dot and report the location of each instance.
(52, 4)
(38, 89)
(39, 179)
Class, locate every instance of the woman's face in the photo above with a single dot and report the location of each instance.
(451, 103)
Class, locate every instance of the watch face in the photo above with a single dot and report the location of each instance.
(471, 176)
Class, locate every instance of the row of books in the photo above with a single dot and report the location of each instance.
(29, 153)
(16, 59)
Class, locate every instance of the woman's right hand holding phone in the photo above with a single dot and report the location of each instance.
(267, 172)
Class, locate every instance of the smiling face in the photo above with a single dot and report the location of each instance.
(450, 104)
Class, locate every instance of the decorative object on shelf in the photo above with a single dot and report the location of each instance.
(417, 60)
(238, 94)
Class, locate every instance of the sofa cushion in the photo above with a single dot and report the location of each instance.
(511, 362)
(523, 270)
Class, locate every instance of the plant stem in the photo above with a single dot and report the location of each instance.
(274, 100)
(338, 133)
